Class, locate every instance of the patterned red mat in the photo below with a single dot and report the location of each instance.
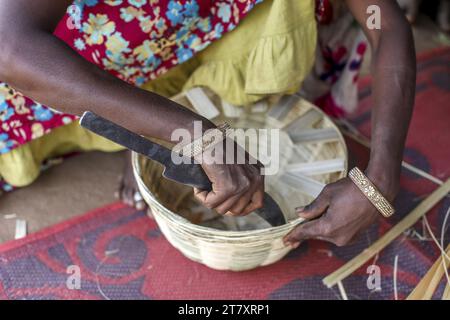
(122, 254)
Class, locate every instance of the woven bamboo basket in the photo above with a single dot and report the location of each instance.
(312, 154)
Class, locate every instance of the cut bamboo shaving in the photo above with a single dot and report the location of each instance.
(303, 184)
(317, 167)
(230, 110)
(314, 135)
(260, 106)
(342, 291)
(387, 238)
(446, 295)
(282, 108)
(304, 121)
(395, 277)
(429, 283)
(21, 229)
(200, 101)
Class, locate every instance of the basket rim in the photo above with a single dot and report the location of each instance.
(186, 224)
(174, 217)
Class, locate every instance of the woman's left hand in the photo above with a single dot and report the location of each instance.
(337, 215)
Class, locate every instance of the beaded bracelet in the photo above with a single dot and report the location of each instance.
(371, 192)
(209, 139)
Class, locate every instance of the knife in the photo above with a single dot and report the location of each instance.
(186, 173)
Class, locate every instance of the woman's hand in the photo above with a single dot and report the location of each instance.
(338, 215)
(237, 189)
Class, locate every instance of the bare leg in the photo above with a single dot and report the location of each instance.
(128, 190)
(443, 15)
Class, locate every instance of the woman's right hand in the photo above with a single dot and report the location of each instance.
(237, 189)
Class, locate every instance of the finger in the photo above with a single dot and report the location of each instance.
(225, 206)
(200, 194)
(244, 205)
(310, 230)
(239, 206)
(257, 202)
(316, 208)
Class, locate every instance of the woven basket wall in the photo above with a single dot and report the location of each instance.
(233, 246)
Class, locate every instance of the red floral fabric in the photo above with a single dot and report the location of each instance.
(135, 40)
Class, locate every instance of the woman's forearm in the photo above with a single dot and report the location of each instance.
(44, 68)
(394, 74)
(394, 79)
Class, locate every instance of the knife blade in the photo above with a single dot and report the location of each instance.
(186, 172)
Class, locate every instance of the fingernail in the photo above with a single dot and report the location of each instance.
(299, 209)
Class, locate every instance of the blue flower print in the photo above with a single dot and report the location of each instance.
(5, 111)
(218, 30)
(79, 44)
(7, 187)
(5, 143)
(204, 24)
(174, 13)
(42, 113)
(183, 54)
(137, 3)
(82, 3)
(177, 13)
(224, 12)
(191, 8)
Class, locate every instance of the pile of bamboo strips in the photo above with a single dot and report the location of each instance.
(427, 286)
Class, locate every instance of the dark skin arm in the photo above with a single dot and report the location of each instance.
(44, 68)
(341, 211)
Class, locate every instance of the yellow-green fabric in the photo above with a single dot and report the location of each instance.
(22, 166)
(270, 52)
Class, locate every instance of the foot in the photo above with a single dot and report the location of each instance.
(128, 190)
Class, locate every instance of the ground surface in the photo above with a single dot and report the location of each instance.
(88, 181)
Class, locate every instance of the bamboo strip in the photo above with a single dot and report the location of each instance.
(387, 238)
(342, 291)
(303, 184)
(260, 106)
(395, 277)
(306, 120)
(314, 135)
(317, 167)
(427, 286)
(446, 295)
(200, 101)
(231, 111)
(21, 229)
(282, 108)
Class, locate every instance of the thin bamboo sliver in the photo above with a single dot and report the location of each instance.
(387, 238)
(202, 103)
(446, 295)
(342, 291)
(427, 286)
(366, 142)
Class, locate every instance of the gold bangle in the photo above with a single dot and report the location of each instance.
(371, 192)
(209, 139)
